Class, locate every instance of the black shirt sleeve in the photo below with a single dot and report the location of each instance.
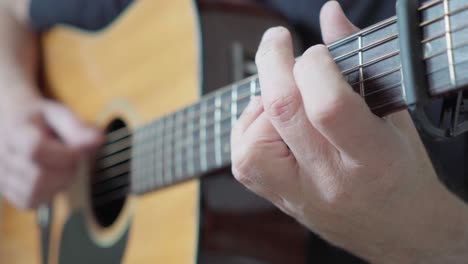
(84, 14)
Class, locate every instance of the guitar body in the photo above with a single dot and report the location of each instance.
(144, 65)
(122, 72)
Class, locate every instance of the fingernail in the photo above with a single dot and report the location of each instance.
(273, 33)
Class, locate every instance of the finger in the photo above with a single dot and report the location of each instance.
(14, 184)
(50, 182)
(334, 109)
(251, 112)
(334, 23)
(53, 154)
(281, 98)
(264, 163)
(68, 126)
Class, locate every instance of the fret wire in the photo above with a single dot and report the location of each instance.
(218, 130)
(159, 145)
(448, 36)
(361, 69)
(191, 151)
(234, 105)
(178, 155)
(150, 146)
(168, 149)
(253, 89)
(203, 161)
(144, 169)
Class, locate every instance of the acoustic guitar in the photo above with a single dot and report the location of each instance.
(139, 200)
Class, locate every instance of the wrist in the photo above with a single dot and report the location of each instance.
(440, 237)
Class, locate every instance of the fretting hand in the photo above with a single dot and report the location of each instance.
(312, 147)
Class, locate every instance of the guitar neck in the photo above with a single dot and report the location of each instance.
(196, 140)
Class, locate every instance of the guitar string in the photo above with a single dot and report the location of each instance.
(182, 160)
(119, 146)
(210, 138)
(124, 132)
(113, 133)
(109, 148)
(125, 143)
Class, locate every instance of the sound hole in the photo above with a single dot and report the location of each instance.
(110, 183)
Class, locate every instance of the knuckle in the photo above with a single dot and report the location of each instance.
(335, 198)
(285, 107)
(243, 164)
(326, 113)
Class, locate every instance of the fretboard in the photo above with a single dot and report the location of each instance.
(196, 140)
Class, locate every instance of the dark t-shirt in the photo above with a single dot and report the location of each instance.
(448, 157)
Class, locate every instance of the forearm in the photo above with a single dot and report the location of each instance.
(18, 53)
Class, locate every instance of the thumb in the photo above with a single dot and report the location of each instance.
(68, 127)
(334, 23)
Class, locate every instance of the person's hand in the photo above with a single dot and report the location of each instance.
(311, 146)
(41, 143)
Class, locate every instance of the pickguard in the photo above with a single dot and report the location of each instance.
(78, 247)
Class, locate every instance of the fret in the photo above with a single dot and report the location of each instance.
(210, 133)
(374, 70)
(253, 89)
(196, 133)
(243, 99)
(136, 178)
(446, 42)
(243, 91)
(448, 37)
(190, 141)
(361, 69)
(168, 149)
(234, 110)
(218, 113)
(159, 153)
(202, 139)
(143, 158)
(225, 135)
(150, 155)
(179, 144)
